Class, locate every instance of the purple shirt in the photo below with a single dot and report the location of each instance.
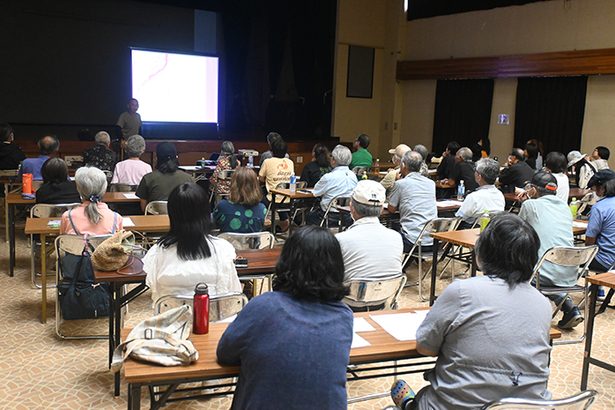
(33, 166)
(602, 227)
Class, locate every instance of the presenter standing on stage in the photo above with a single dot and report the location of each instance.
(130, 121)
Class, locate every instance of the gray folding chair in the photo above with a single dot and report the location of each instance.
(332, 209)
(73, 244)
(220, 306)
(580, 401)
(368, 295)
(435, 225)
(117, 187)
(44, 211)
(570, 256)
(156, 208)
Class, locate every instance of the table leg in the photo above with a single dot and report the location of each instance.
(111, 322)
(6, 211)
(290, 216)
(434, 273)
(118, 323)
(43, 278)
(134, 396)
(11, 228)
(273, 207)
(474, 265)
(593, 295)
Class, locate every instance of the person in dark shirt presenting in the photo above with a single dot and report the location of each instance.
(293, 344)
(56, 187)
(462, 171)
(10, 154)
(517, 172)
(320, 165)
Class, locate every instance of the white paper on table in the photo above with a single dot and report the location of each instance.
(358, 341)
(362, 325)
(130, 195)
(579, 224)
(442, 204)
(229, 319)
(402, 326)
(127, 222)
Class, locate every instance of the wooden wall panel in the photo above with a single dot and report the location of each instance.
(555, 64)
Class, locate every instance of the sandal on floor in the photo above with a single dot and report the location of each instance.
(401, 393)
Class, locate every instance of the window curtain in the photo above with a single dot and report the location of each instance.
(462, 113)
(550, 110)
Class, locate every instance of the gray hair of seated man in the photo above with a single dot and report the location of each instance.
(421, 149)
(341, 155)
(91, 184)
(364, 210)
(412, 161)
(465, 153)
(488, 169)
(135, 146)
(102, 137)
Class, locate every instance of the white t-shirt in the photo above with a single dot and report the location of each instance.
(563, 186)
(130, 171)
(484, 198)
(167, 274)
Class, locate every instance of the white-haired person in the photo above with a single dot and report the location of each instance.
(393, 174)
(93, 216)
(131, 170)
(100, 155)
(340, 182)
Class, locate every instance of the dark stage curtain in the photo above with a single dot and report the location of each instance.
(463, 111)
(550, 110)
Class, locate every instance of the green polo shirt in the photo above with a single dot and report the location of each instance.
(361, 158)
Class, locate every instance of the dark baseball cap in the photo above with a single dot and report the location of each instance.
(544, 180)
(601, 177)
(165, 151)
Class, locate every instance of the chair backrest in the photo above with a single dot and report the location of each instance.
(156, 208)
(245, 241)
(580, 401)
(73, 244)
(578, 256)
(438, 225)
(50, 210)
(9, 172)
(286, 185)
(381, 293)
(220, 306)
(117, 187)
(358, 171)
(226, 174)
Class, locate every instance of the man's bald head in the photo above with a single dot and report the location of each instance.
(48, 144)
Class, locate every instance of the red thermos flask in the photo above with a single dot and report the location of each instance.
(201, 309)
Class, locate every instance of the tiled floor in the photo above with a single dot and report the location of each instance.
(40, 371)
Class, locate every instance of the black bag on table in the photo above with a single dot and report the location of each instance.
(80, 297)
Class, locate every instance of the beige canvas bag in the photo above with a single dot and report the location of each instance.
(113, 253)
(161, 339)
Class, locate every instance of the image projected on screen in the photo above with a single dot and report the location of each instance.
(175, 87)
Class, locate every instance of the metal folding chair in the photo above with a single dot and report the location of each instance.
(580, 401)
(368, 295)
(156, 208)
(220, 306)
(117, 187)
(571, 256)
(332, 209)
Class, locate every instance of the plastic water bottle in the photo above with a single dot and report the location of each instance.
(484, 220)
(377, 166)
(200, 318)
(461, 191)
(364, 176)
(250, 161)
(574, 207)
(293, 183)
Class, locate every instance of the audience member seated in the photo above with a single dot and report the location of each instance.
(556, 165)
(531, 156)
(361, 157)
(516, 173)
(47, 146)
(415, 197)
(486, 197)
(539, 154)
(581, 168)
(422, 149)
(131, 170)
(600, 157)
(601, 226)
(10, 154)
(320, 165)
(93, 216)
(157, 185)
(188, 254)
(293, 344)
(243, 211)
(551, 219)
(56, 187)
(274, 171)
(271, 138)
(445, 169)
(490, 332)
(100, 155)
(462, 171)
(226, 161)
(340, 182)
(370, 250)
(393, 175)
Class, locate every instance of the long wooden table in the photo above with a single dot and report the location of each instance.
(383, 348)
(15, 199)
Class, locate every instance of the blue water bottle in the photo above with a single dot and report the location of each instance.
(293, 183)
